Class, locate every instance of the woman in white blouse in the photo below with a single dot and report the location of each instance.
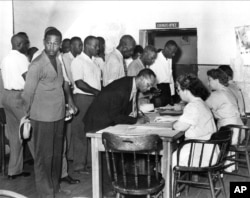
(197, 120)
(222, 102)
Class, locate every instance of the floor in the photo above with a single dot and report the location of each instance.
(26, 185)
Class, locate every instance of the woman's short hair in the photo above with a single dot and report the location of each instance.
(227, 69)
(194, 85)
(218, 74)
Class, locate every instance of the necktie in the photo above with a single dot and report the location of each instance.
(125, 68)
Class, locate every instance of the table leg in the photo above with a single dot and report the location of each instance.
(2, 149)
(167, 168)
(96, 170)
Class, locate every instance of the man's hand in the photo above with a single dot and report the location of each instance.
(142, 119)
(72, 106)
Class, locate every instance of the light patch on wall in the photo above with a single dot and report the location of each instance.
(112, 32)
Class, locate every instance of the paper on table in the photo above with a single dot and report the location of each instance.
(166, 118)
(169, 107)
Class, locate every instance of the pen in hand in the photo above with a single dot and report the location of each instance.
(142, 118)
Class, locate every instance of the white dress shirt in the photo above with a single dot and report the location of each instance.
(83, 68)
(67, 60)
(13, 66)
(113, 68)
(135, 67)
(162, 68)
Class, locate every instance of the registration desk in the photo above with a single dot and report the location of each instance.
(163, 129)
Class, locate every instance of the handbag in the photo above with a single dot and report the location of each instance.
(25, 128)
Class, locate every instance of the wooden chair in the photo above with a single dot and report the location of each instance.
(125, 149)
(239, 152)
(245, 118)
(214, 151)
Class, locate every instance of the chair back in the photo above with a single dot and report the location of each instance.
(205, 154)
(127, 148)
(244, 118)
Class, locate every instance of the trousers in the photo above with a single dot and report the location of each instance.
(81, 151)
(13, 106)
(48, 140)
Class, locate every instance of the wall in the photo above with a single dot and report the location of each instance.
(215, 21)
(6, 27)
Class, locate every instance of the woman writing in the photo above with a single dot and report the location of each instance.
(197, 120)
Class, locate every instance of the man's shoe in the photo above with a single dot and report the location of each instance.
(24, 174)
(70, 180)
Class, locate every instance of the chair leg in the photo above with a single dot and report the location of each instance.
(158, 195)
(189, 176)
(175, 183)
(222, 185)
(237, 156)
(211, 184)
(248, 162)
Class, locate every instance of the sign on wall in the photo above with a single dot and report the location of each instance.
(243, 38)
(241, 64)
(167, 25)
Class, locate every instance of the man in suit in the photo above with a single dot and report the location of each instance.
(146, 59)
(114, 104)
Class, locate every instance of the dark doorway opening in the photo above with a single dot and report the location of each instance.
(185, 61)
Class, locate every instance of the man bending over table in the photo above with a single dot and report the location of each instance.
(117, 102)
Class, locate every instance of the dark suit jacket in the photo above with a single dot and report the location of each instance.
(111, 106)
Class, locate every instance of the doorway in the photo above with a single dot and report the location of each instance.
(185, 61)
(186, 40)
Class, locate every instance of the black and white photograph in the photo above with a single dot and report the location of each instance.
(124, 99)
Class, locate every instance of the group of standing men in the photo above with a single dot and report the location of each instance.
(41, 89)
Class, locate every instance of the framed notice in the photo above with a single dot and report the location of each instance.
(243, 38)
(241, 64)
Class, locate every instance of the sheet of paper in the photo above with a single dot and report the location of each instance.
(166, 118)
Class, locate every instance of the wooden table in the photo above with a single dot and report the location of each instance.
(164, 130)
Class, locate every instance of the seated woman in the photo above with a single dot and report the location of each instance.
(234, 88)
(197, 120)
(222, 102)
